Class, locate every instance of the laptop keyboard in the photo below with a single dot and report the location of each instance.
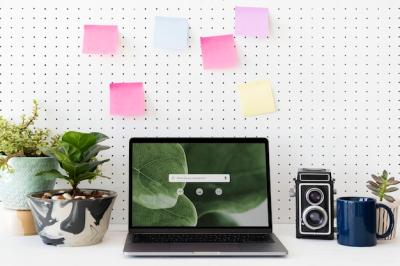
(202, 238)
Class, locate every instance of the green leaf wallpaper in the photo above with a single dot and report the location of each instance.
(182, 214)
(156, 201)
(216, 219)
(246, 165)
(152, 163)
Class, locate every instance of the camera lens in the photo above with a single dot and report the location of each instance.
(314, 196)
(315, 217)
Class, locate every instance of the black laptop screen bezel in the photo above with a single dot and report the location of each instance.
(238, 229)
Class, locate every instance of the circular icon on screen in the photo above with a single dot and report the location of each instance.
(218, 191)
(179, 191)
(199, 191)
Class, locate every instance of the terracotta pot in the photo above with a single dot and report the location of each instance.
(382, 219)
(16, 222)
(74, 222)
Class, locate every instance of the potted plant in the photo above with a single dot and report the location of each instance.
(74, 217)
(380, 186)
(21, 158)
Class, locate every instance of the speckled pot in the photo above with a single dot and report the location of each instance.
(16, 185)
(72, 222)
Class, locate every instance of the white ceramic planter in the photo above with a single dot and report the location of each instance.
(382, 219)
(72, 222)
(16, 185)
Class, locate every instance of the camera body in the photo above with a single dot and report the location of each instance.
(314, 204)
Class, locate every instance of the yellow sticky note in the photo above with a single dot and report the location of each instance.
(256, 98)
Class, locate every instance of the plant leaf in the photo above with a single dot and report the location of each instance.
(59, 154)
(393, 182)
(80, 140)
(391, 189)
(377, 179)
(89, 166)
(99, 136)
(51, 174)
(373, 188)
(246, 165)
(216, 219)
(76, 169)
(152, 164)
(384, 175)
(373, 184)
(376, 193)
(73, 153)
(93, 151)
(86, 176)
(182, 214)
(388, 198)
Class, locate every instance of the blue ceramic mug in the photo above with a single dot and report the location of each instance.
(356, 221)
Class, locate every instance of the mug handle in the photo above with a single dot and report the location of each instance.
(391, 221)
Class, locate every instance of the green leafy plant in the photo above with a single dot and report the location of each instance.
(381, 185)
(22, 139)
(76, 152)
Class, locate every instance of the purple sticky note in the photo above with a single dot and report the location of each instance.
(127, 99)
(218, 52)
(100, 39)
(251, 21)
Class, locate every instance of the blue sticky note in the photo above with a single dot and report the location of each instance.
(171, 33)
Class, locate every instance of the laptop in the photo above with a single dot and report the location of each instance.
(200, 197)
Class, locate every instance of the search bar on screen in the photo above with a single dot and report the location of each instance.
(199, 178)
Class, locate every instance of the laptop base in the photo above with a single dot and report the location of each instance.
(249, 249)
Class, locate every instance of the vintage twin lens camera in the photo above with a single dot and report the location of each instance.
(314, 204)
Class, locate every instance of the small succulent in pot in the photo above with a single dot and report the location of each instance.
(74, 217)
(380, 186)
(22, 157)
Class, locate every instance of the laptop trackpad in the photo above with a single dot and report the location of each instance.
(204, 247)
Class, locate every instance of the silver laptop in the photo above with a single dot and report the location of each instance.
(200, 197)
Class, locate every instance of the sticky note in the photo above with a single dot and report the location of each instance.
(218, 52)
(127, 99)
(256, 98)
(251, 21)
(171, 33)
(100, 39)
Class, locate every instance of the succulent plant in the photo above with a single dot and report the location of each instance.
(381, 185)
(23, 139)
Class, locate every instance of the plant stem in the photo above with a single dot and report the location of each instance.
(382, 190)
(75, 190)
(25, 124)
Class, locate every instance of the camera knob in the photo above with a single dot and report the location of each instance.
(292, 192)
(334, 191)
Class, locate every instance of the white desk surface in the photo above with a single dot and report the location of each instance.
(30, 251)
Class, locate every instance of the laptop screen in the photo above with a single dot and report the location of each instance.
(199, 184)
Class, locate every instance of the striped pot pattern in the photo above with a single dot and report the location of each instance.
(382, 219)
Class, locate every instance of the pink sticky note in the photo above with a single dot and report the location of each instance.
(100, 39)
(251, 21)
(218, 52)
(126, 98)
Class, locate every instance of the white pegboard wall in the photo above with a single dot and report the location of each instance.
(335, 73)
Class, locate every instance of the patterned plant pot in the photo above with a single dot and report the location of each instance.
(76, 222)
(16, 185)
(382, 219)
